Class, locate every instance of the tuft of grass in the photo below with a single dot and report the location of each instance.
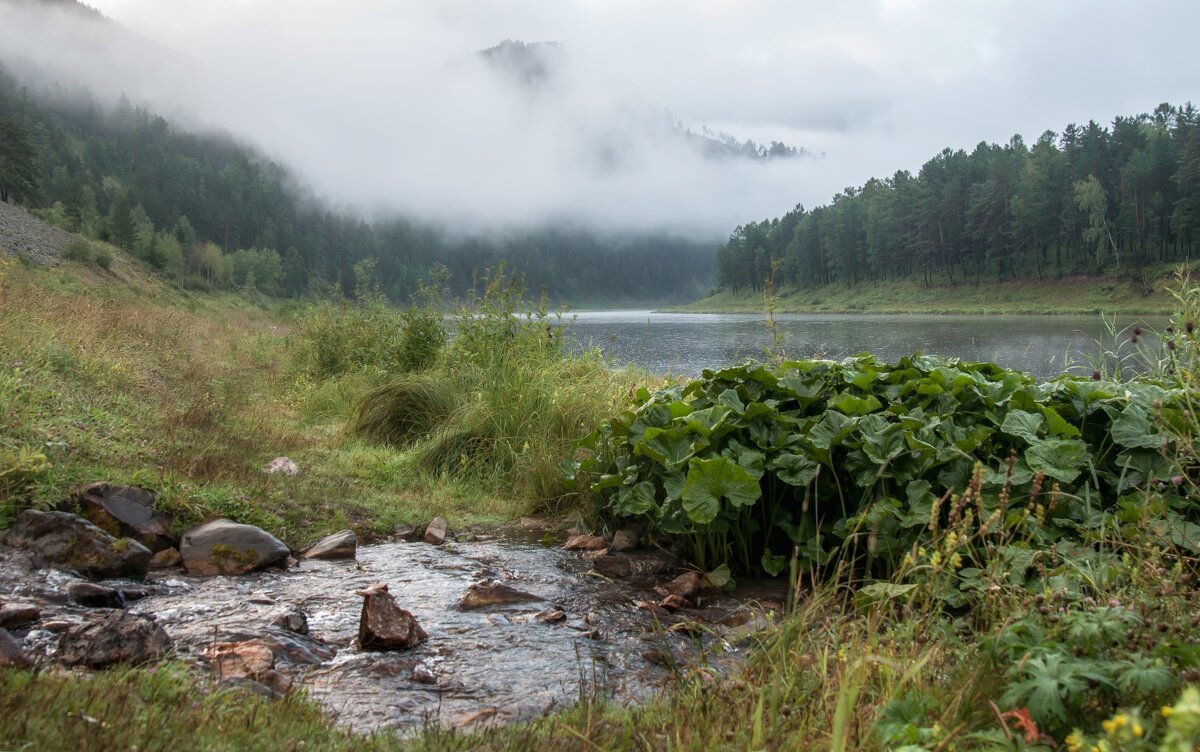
(405, 410)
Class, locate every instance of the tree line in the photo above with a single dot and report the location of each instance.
(1088, 199)
(209, 212)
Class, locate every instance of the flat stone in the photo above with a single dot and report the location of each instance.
(638, 564)
(127, 511)
(436, 531)
(487, 594)
(281, 465)
(250, 661)
(11, 653)
(340, 545)
(225, 547)
(686, 585)
(550, 617)
(17, 615)
(408, 533)
(384, 625)
(625, 539)
(672, 603)
(66, 541)
(585, 543)
(91, 595)
(119, 638)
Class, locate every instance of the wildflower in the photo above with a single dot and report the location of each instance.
(956, 562)
(1189, 327)
(1138, 730)
(1170, 344)
(1137, 331)
(1166, 711)
(1095, 375)
(1170, 329)
(1075, 741)
(842, 655)
(936, 559)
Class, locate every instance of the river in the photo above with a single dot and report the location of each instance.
(684, 344)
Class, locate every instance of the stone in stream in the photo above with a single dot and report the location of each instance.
(625, 539)
(341, 545)
(641, 564)
(168, 558)
(686, 585)
(17, 615)
(11, 654)
(226, 547)
(436, 531)
(408, 533)
(58, 539)
(384, 625)
(120, 637)
(127, 511)
(486, 594)
(585, 543)
(91, 595)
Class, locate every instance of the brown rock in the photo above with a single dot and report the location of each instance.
(672, 603)
(127, 511)
(408, 533)
(625, 539)
(585, 543)
(225, 547)
(341, 545)
(91, 595)
(250, 661)
(167, 558)
(613, 567)
(120, 637)
(16, 615)
(11, 654)
(550, 617)
(384, 625)
(640, 564)
(436, 531)
(487, 594)
(687, 585)
(293, 620)
(64, 540)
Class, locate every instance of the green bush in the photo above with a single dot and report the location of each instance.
(104, 258)
(78, 249)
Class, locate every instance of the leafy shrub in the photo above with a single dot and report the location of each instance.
(104, 258)
(750, 464)
(78, 249)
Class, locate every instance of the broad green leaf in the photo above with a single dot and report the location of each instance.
(773, 564)
(710, 481)
(1057, 425)
(636, 500)
(794, 469)
(1061, 459)
(1134, 429)
(830, 430)
(729, 398)
(671, 448)
(1022, 424)
(879, 592)
(852, 405)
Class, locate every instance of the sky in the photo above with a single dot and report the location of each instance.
(382, 107)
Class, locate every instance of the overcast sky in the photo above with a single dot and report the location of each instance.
(380, 105)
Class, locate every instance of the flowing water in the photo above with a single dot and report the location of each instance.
(684, 344)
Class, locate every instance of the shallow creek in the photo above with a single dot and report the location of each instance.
(478, 667)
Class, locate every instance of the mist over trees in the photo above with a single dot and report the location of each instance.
(212, 213)
(1085, 200)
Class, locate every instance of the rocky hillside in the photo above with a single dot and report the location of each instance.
(24, 235)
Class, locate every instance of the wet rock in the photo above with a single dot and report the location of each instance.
(17, 615)
(120, 637)
(66, 541)
(91, 595)
(535, 524)
(255, 687)
(487, 594)
(408, 533)
(612, 567)
(281, 465)
(550, 617)
(672, 603)
(127, 511)
(436, 531)
(625, 539)
(293, 620)
(168, 558)
(585, 543)
(252, 661)
(653, 608)
(384, 625)
(225, 547)
(11, 653)
(422, 674)
(341, 545)
(619, 566)
(686, 585)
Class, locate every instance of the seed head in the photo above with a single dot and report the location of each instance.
(1095, 375)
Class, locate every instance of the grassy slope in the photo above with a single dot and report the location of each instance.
(1069, 295)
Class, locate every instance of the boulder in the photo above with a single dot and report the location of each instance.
(408, 533)
(486, 594)
(625, 539)
(168, 558)
(91, 595)
(250, 661)
(436, 531)
(281, 465)
(585, 543)
(66, 541)
(341, 545)
(11, 653)
(127, 511)
(384, 625)
(120, 637)
(17, 615)
(225, 547)
(293, 620)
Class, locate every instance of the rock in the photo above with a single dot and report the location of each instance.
(168, 558)
(341, 545)
(436, 532)
(686, 585)
(293, 620)
(550, 617)
(127, 511)
(11, 653)
(534, 524)
(17, 615)
(585, 543)
(225, 547)
(612, 567)
(64, 540)
(486, 594)
(28, 237)
(625, 539)
(120, 637)
(253, 661)
(672, 603)
(408, 533)
(653, 608)
(641, 564)
(281, 465)
(91, 595)
(384, 625)
(593, 555)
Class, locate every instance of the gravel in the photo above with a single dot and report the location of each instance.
(24, 235)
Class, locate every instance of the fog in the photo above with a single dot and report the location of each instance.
(384, 107)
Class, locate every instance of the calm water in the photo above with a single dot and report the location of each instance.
(684, 344)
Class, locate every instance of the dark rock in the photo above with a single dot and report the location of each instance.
(585, 543)
(293, 620)
(340, 545)
(11, 653)
(168, 558)
(225, 547)
(550, 617)
(384, 625)
(486, 594)
(120, 637)
(408, 533)
(625, 539)
(641, 564)
(127, 511)
(672, 603)
(17, 615)
(613, 567)
(653, 608)
(64, 540)
(91, 595)
(687, 585)
(436, 531)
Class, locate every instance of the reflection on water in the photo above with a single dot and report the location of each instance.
(683, 344)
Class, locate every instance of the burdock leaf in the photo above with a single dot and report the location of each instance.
(709, 481)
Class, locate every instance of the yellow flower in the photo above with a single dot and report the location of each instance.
(1075, 741)
(1166, 711)
(1138, 731)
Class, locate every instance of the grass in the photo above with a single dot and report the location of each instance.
(1068, 295)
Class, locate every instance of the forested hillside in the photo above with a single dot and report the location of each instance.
(1085, 200)
(209, 212)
